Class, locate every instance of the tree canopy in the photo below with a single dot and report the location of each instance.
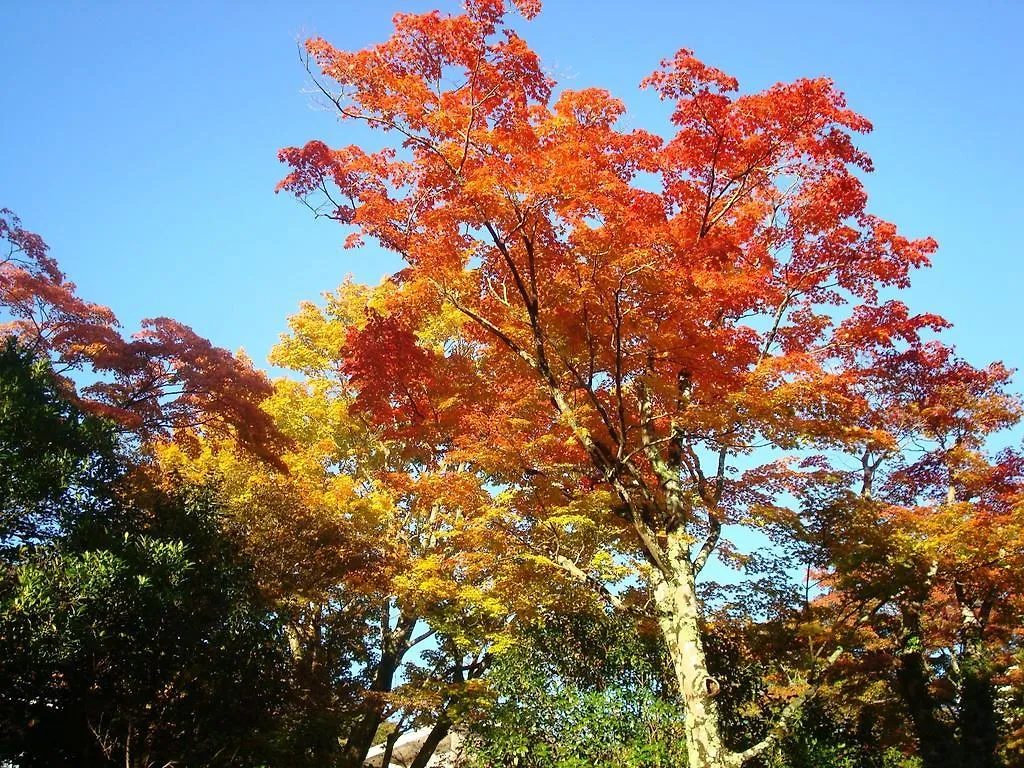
(516, 490)
(645, 327)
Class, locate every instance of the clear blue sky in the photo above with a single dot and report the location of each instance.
(140, 138)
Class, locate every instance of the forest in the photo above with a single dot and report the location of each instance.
(639, 460)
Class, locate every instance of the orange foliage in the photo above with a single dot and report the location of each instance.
(602, 318)
(606, 322)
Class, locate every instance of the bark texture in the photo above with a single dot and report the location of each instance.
(679, 618)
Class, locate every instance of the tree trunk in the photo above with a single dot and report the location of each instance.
(936, 744)
(867, 745)
(429, 746)
(978, 721)
(305, 639)
(395, 641)
(979, 732)
(679, 618)
(389, 747)
(360, 738)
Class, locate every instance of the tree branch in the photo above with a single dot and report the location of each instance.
(782, 724)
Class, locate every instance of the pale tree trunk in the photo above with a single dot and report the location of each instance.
(675, 596)
(679, 617)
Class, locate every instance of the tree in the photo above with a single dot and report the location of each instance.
(163, 378)
(924, 538)
(148, 650)
(617, 339)
(575, 690)
(374, 549)
(132, 632)
(56, 463)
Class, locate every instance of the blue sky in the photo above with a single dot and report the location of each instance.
(140, 139)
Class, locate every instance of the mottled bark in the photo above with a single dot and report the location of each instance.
(679, 618)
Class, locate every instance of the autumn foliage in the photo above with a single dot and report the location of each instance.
(163, 378)
(669, 336)
(662, 389)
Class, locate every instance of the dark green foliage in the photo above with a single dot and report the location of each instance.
(152, 648)
(823, 739)
(589, 690)
(131, 631)
(56, 464)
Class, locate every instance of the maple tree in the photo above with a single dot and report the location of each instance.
(165, 377)
(606, 349)
(924, 537)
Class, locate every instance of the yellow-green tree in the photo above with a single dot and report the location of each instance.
(370, 544)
